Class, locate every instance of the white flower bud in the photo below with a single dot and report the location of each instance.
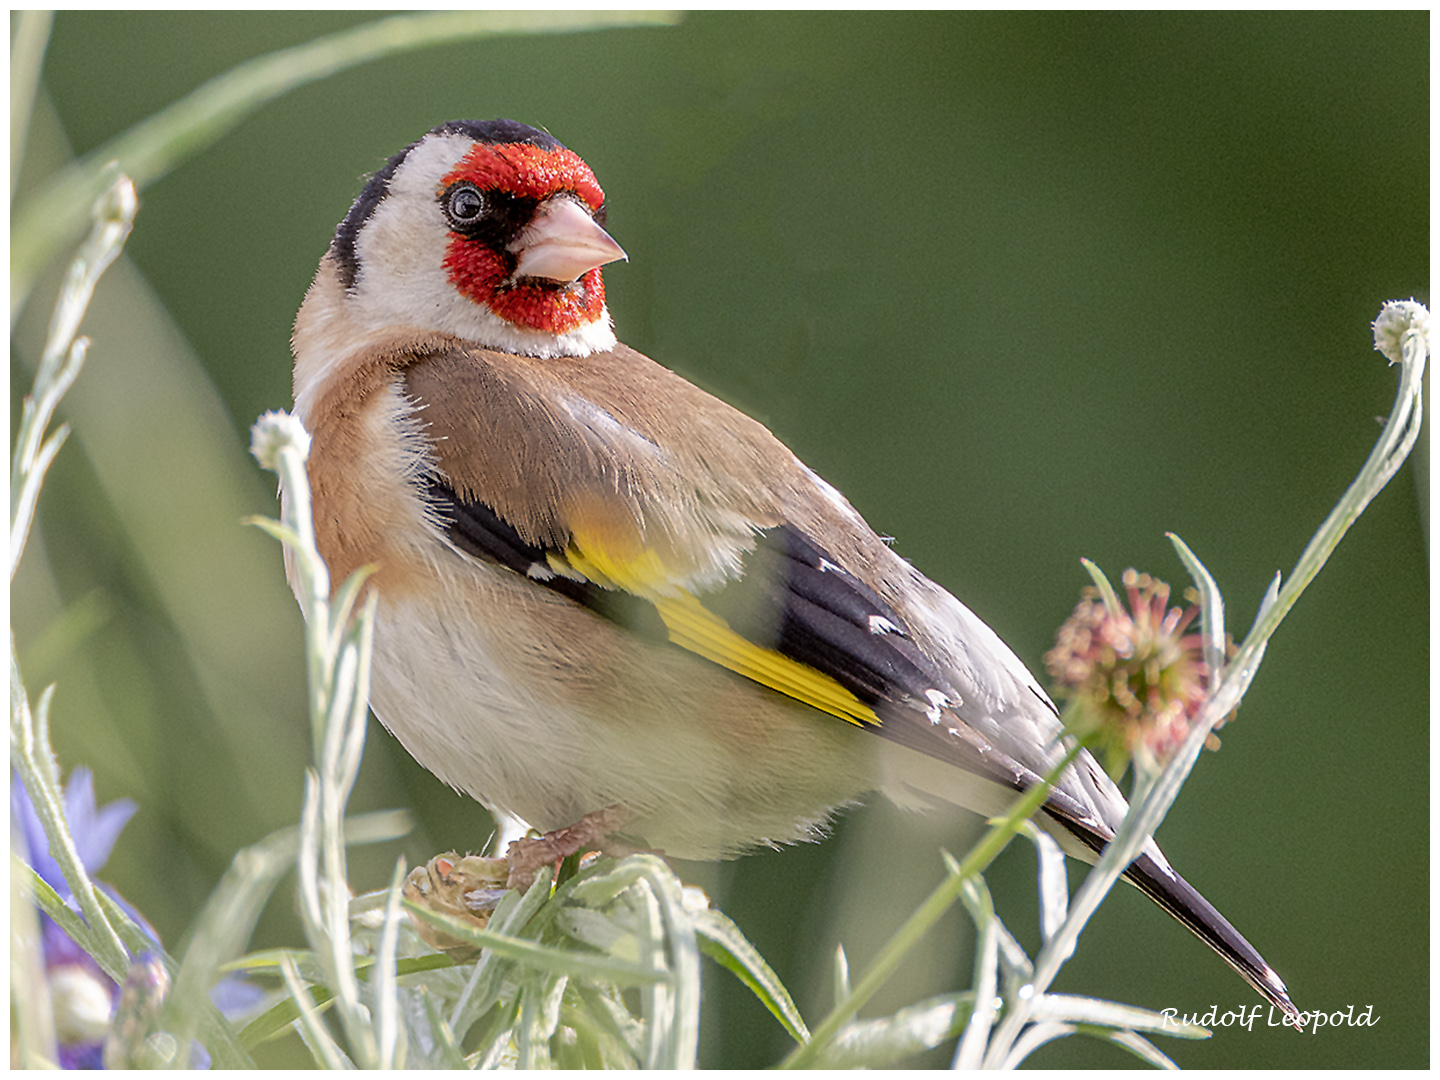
(1398, 318)
(82, 1004)
(275, 431)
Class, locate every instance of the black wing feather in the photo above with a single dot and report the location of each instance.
(794, 597)
(476, 529)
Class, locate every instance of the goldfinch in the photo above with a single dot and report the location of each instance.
(607, 600)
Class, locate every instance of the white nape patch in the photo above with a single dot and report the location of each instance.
(881, 625)
(402, 280)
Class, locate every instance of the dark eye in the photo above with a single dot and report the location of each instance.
(463, 204)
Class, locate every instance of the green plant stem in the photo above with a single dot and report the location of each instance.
(544, 958)
(30, 750)
(64, 354)
(338, 657)
(312, 1029)
(27, 55)
(927, 915)
(32, 1014)
(1402, 428)
(1152, 799)
(389, 1035)
(34, 761)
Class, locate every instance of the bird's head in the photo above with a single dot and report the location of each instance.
(488, 230)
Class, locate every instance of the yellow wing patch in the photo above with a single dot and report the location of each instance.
(703, 632)
(694, 627)
(641, 571)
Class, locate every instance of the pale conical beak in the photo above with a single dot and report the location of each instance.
(562, 242)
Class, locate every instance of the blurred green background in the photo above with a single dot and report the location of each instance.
(1027, 287)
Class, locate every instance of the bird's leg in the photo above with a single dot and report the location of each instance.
(527, 855)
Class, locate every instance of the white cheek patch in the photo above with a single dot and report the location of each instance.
(402, 280)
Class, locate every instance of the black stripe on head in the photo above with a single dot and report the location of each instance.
(342, 247)
(499, 131)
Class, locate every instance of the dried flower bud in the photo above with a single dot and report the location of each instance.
(1137, 678)
(466, 888)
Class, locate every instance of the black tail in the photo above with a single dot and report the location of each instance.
(1179, 898)
(1198, 915)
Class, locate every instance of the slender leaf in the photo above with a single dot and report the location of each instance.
(1032, 1038)
(540, 957)
(721, 940)
(1110, 1014)
(874, 1044)
(389, 1035)
(446, 1051)
(326, 1051)
(971, 1050)
(1053, 882)
(1138, 1045)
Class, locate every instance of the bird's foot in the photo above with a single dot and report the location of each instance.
(527, 855)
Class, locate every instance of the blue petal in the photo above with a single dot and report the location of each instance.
(22, 811)
(235, 996)
(82, 1055)
(95, 830)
